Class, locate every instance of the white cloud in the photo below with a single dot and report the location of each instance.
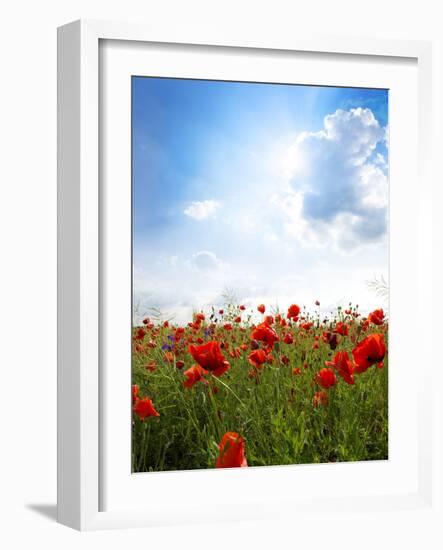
(205, 260)
(201, 210)
(338, 191)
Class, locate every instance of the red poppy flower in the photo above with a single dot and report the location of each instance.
(227, 326)
(231, 452)
(369, 351)
(179, 364)
(317, 303)
(210, 357)
(242, 308)
(293, 312)
(308, 325)
(365, 325)
(269, 320)
(257, 357)
(326, 378)
(144, 408)
(220, 311)
(261, 308)
(377, 317)
(265, 333)
(237, 319)
(151, 366)
(341, 328)
(320, 398)
(178, 334)
(288, 339)
(296, 371)
(140, 334)
(135, 390)
(166, 324)
(199, 317)
(193, 375)
(343, 365)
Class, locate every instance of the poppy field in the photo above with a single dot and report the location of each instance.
(249, 386)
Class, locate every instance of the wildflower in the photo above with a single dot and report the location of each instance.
(265, 333)
(231, 452)
(210, 357)
(179, 364)
(144, 408)
(369, 351)
(343, 365)
(377, 317)
(261, 308)
(179, 331)
(341, 328)
(242, 308)
(254, 344)
(326, 378)
(296, 371)
(331, 338)
(320, 398)
(257, 357)
(288, 339)
(135, 391)
(140, 334)
(193, 375)
(293, 312)
(365, 325)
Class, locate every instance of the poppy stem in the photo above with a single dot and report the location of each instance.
(232, 391)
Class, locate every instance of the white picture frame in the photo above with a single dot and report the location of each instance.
(80, 413)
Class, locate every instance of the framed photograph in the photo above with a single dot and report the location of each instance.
(244, 230)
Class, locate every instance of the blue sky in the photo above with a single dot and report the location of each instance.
(277, 192)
